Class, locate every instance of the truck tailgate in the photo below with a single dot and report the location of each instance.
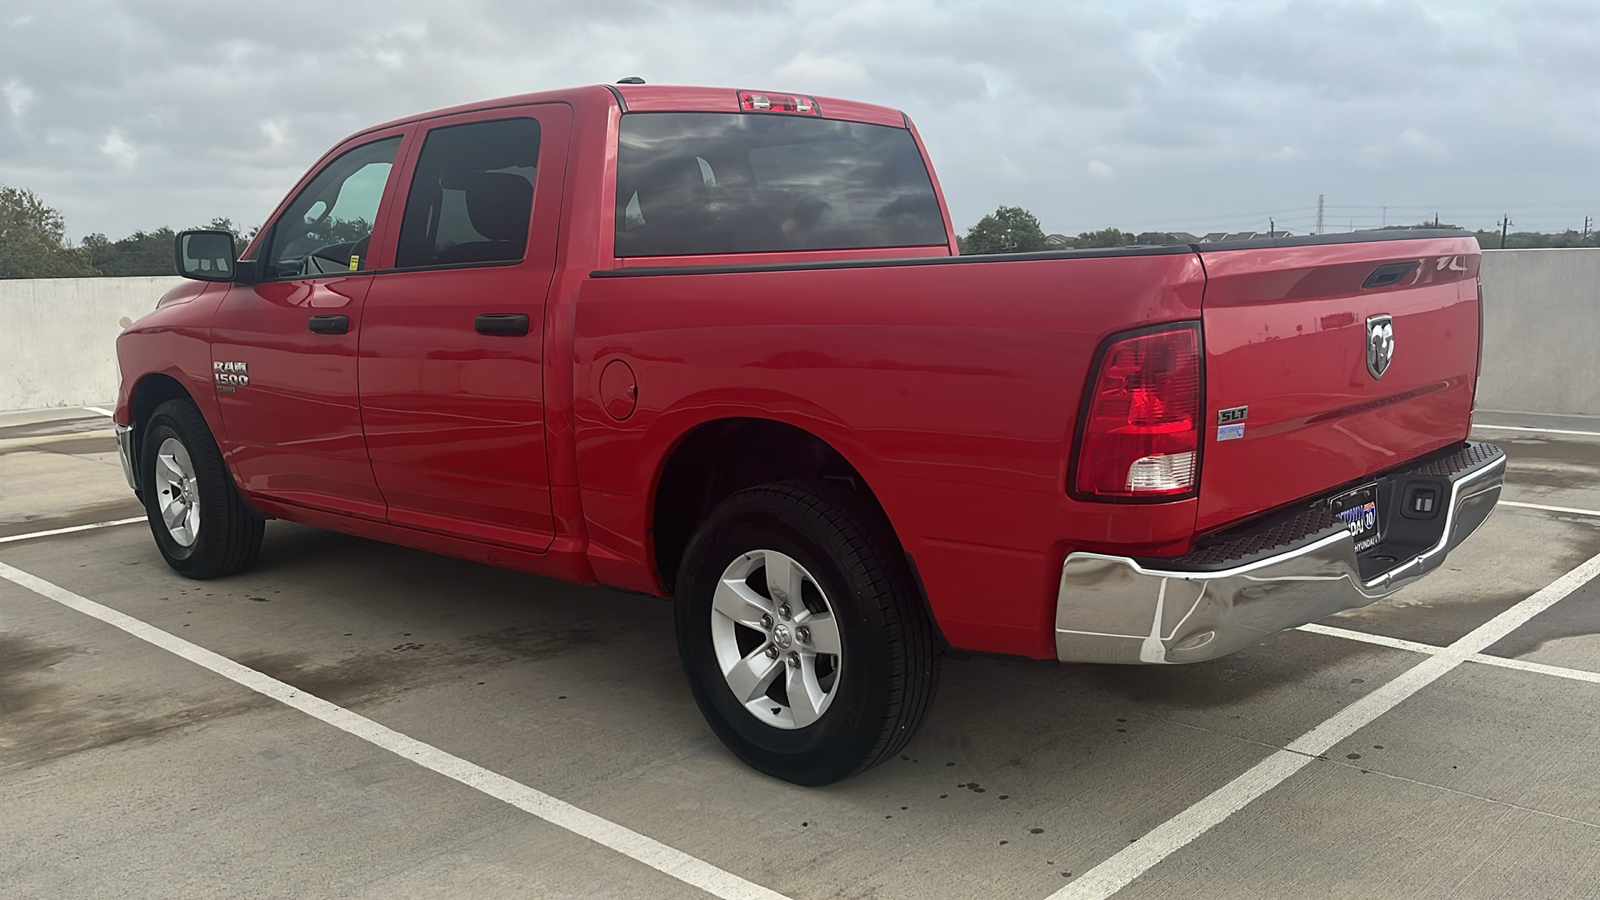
(1294, 405)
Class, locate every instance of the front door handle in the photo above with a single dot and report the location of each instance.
(511, 324)
(330, 324)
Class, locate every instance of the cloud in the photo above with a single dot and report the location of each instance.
(1409, 143)
(18, 98)
(121, 153)
(1100, 170)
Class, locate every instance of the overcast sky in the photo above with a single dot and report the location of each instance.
(1150, 115)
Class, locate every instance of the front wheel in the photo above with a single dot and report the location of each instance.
(805, 643)
(202, 526)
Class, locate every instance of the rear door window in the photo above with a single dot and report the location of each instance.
(695, 183)
(471, 196)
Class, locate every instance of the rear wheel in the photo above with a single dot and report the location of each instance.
(801, 633)
(202, 526)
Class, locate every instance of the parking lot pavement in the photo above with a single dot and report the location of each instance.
(58, 468)
(129, 771)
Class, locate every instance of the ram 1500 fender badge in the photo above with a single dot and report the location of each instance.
(229, 376)
(1380, 344)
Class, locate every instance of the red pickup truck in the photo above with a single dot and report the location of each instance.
(719, 346)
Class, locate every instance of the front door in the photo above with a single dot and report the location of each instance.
(284, 349)
(452, 345)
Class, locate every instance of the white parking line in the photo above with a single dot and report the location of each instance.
(76, 528)
(1478, 425)
(99, 409)
(1434, 650)
(1571, 510)
(667, 860)
(1537, 668)
(1169, 837)
(1381, 640)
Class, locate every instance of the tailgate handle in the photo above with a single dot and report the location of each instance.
(330, 324)
(1388, 274)
(512, 324)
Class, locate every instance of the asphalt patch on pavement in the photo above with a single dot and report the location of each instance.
(55, 427)
(70, 446)
(126, 507)
(46, 715)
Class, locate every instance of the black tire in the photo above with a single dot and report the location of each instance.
(888, 665)
(228, 536)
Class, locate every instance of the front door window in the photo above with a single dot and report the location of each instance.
(327, 228)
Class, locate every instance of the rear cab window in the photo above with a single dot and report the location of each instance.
(715, 183)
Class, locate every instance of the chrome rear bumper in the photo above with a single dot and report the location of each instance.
(1116, 609)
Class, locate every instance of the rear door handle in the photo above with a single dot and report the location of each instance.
(512, 324)
(330, 324)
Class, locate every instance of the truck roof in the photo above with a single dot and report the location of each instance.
(661, 98)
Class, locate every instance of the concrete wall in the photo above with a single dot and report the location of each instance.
(1541, 348)
(57, 337)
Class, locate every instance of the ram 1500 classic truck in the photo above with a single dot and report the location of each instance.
(718, 345)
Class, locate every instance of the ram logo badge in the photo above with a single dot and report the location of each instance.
(1380, 345)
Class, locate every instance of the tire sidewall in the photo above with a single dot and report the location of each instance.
(203, 556)
(827, 749)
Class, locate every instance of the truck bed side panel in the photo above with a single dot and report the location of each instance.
(952, 387)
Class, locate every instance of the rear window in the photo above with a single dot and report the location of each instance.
(691, 183)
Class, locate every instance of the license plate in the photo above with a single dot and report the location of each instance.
(1358, 510)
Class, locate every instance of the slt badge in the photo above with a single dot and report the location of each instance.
(1380, 344)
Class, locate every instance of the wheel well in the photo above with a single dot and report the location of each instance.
(721, 458)
(151, 391)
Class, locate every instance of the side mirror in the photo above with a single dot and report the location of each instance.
(205, 255)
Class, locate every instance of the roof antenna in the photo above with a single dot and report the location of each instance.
(631, 79)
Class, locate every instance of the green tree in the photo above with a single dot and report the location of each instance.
(1105, 237)
(150, 252)
(33, 242)
(1154, 238)
(140, 253)
(1009, 229)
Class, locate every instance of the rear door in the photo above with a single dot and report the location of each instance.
(1329, 362)
(284, 349)
(452, 346)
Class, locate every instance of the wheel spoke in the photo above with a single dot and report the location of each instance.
(172, 512)
(804, 693)
(824, 633)
(739, 602)
(750, 677)
(783, 580)
(174, 473)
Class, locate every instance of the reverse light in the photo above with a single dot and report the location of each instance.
(755, 101)
(1140, 436)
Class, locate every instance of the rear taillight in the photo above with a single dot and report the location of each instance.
(1140, 437)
